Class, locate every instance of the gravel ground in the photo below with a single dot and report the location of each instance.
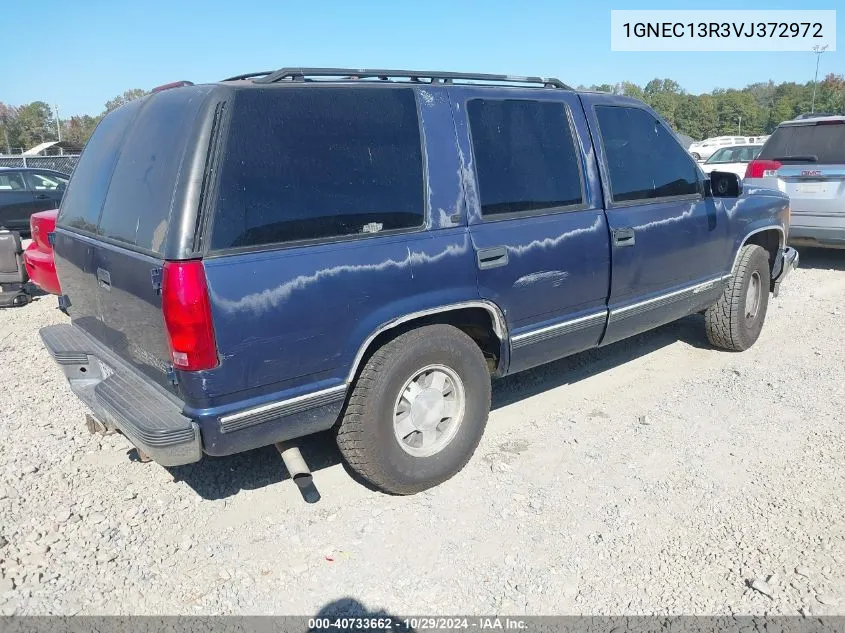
(654, 476)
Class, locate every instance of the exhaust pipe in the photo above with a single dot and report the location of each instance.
(299, 471)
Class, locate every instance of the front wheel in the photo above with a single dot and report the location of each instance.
(417, 411)
(696, 156)
(735, 321)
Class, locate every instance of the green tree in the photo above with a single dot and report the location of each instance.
(126, 97)
(9, 129)
(35, 124)
(78, 129)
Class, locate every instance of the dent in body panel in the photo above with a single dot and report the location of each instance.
(553, 277)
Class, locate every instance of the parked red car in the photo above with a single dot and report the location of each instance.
(38, 257)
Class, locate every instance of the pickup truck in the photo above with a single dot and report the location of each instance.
(277, 254)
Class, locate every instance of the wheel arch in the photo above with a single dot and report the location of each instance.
(482, 320)
(772, 237)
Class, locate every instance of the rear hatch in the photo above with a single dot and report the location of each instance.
(806, 160)
(114, 226)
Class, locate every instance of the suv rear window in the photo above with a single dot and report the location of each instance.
(823, 140)
(140, 196)
(81, 205)
(319, 162)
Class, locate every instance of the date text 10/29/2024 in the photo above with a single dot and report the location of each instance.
(421, 623)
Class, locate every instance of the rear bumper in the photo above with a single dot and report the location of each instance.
(41, 269)
(785, 264)
(160, 425)
(147, 415)
(824, 236)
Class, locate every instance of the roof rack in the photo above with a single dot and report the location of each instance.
(416, 76)
(248, 75)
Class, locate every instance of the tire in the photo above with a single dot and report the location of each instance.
(444, 360)
(696, 156)
(735, 321)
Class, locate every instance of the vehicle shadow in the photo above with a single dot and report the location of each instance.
(573, 369)
(821, 258)
(221, 477)
(354, 609)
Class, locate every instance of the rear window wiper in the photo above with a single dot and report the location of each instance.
(798, 158)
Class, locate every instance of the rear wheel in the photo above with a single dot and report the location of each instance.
(417, 410)
(735, 321)
(696, 156)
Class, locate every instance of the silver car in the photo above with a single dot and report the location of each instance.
(805, 158)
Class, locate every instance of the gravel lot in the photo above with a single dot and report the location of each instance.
(653, 476)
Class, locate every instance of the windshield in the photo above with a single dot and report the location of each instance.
(739, 154)
(824, 140)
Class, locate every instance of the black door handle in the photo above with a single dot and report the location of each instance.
(104, 279)
(492, 257)
(42, 196)
(623, 237)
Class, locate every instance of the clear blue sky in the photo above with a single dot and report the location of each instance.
(79, 54)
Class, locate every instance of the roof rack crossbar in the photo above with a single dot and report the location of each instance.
(261, 73)
(415, 76)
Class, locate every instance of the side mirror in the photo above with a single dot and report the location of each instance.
(723, 184)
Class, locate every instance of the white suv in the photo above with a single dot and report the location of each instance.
(702, 150)
(805, 158)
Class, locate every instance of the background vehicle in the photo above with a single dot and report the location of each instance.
(702, 150)
(24, 191)
(292, 251)
(733, 159)
(805, 158)
(38, 256)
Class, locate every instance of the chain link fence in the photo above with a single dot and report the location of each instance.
(64, 164)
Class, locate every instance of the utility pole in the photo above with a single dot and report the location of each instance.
(739, 131)
(817, 51)
(58, 124)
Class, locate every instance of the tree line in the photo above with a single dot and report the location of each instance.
(755, 109)
(25, 126)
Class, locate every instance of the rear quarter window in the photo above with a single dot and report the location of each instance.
(318, 163)
(141, 194)
(826, 141)
(83, 201)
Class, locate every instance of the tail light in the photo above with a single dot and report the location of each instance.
(761, 168)
(187, 316)
(40, 226)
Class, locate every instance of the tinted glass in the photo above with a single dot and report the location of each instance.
(644, 159)
(525, 156)
(141, 193)
(825, 141)
(11, 181)
(316, 162)
(87, 189)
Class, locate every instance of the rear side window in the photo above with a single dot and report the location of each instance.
(11, 181)
(644, 159)
(81, 205)
(525, 156)
(825, 141)
(140, 196)
(43, 181)
(318, 163)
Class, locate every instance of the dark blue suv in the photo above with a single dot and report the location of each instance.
(282, 253)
